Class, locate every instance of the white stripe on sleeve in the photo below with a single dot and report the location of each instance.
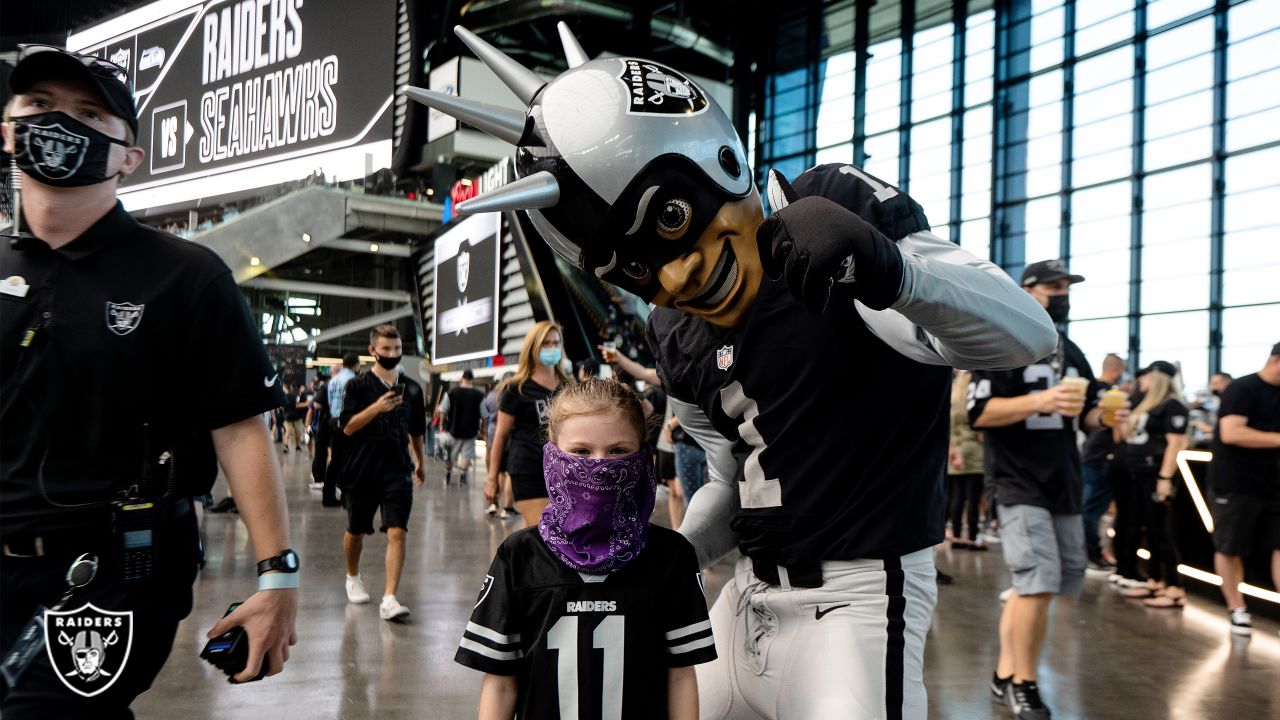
(689, 630)
(475, 647)
(493, 635)
(691, 646)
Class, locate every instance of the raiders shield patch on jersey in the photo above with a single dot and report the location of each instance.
(724, 357)
(88, 647)
(484, 590)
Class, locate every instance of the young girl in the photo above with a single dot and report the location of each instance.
(593, 613)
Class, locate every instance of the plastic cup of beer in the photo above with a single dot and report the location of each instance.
(1078, 386)
(1111, 401)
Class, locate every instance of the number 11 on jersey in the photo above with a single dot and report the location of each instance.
(608, 636)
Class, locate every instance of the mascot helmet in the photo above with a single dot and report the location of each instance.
(621, 162)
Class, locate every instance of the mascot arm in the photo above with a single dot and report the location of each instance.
(956, 309)
(706, 520)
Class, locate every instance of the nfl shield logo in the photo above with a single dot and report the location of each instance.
(484, 589)
(88, 647)
(123, 318)
(724, 357)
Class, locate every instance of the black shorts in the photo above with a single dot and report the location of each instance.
(1245, 523)
(392, 494)
(666, 465)
(528, 486)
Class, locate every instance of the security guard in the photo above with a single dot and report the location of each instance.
(102, 320)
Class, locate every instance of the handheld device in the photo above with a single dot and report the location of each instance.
(398, 389)
(229, 652)
(135, 522)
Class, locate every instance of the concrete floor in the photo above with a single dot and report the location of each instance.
(1106, 657)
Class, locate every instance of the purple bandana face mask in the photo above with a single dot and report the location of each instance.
(597, 520)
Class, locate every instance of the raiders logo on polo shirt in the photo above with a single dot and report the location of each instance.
(655, 89)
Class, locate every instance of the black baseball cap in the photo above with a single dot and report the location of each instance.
(1275, 349)
(46, 62)
(1047, 271)
(1163, 366)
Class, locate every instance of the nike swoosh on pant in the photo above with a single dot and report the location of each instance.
(819, 612)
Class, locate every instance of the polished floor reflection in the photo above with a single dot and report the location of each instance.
(1106, 657)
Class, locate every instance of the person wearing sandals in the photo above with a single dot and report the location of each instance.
(964, 470)
(1154, 434)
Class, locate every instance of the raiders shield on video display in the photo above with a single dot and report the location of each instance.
(88, 647)
(56, 152)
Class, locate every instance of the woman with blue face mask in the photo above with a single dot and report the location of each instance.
(522, 416)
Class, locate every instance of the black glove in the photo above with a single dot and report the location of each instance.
(810, 241)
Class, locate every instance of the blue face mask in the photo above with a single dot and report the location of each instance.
(549, 356)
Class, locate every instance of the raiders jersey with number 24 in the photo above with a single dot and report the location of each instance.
(589, 646)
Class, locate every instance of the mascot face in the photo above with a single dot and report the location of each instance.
(629, 171)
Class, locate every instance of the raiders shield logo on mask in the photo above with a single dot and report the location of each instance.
(123, 318)
(88, 647)
(56, 153)
(464, 270)
(654, 89)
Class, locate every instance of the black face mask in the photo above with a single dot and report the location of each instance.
(1059, 308)
(388, 363)
(58, 150)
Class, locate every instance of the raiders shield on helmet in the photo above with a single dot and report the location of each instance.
(88, 647)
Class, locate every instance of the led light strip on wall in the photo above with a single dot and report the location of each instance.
(1185, 457)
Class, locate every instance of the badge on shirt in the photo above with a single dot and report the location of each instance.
(14, 285)
(724, 357)
(123, 318)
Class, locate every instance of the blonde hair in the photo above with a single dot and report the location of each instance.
(596, 396)
(1162, 388)
(529, 357)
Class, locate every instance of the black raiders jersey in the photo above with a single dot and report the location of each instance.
(841, 441)
(584, 646)
(1036, 461)
(1148, 441)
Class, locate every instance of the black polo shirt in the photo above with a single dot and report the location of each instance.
(111, 329)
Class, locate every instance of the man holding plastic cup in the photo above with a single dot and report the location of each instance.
(1030, 416)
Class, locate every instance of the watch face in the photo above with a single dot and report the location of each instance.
(289, 560)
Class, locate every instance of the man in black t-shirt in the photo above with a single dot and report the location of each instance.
(1029, 417)
(383, 415)
(1245, 481)
(462, 410)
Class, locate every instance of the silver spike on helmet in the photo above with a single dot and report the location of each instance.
(622, 162)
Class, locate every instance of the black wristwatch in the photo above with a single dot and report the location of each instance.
(284, 561)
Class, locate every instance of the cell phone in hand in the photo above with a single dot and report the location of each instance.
(229, 652)
(398, 389)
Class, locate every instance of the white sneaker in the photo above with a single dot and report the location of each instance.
(356, 594)
(391, 609)
(492, 509)
(504, 515)
(1241, 623)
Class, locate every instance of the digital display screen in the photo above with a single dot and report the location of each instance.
(134, 539)
(219, 645)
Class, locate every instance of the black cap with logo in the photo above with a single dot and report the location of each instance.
(1163, 366)
(45, 62)
(1047, 271)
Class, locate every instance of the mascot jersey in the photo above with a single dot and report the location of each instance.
(840, 440)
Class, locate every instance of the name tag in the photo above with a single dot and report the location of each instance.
(15, 286)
